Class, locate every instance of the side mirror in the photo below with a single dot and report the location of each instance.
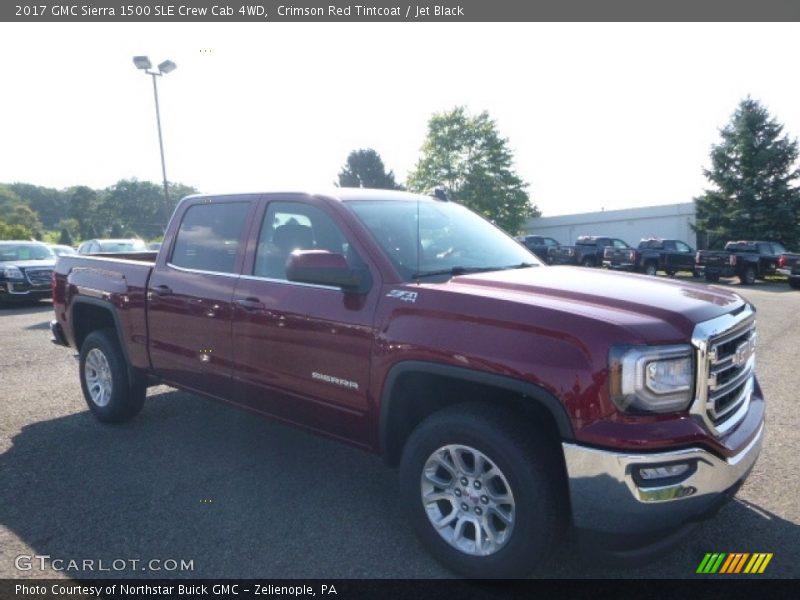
(321, 267)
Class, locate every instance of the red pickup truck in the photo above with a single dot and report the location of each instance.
(518, 399)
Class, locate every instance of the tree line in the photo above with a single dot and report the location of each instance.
(129, 208)
(753, 191)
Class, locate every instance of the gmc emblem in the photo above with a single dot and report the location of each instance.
(743, 352)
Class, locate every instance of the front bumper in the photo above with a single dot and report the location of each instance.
(23, 289)
(608, 496)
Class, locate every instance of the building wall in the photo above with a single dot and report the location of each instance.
(631, 225)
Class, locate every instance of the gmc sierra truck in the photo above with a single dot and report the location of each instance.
(746, 260)
(652, 255)
(518, 399)
(789, 267)
(588, 251)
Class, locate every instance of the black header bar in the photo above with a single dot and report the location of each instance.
(230, 11)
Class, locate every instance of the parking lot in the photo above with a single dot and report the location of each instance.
(239, 496)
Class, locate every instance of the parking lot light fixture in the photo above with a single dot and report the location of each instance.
(143, 63)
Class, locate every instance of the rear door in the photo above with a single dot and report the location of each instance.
(190, 294)
(302, 352)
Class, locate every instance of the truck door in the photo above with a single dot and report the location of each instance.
(190, 292)
(302, 352)
(683, 256)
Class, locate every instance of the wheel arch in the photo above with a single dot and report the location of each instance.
(416, 389)
(92, 314)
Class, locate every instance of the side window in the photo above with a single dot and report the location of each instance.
(620, 244)
(550, 242)
(682, 247)
(290, 226)
(208, 238)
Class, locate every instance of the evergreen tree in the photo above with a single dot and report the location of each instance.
(466, 156)
(753, 175)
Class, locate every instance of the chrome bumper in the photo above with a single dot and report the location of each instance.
(784, 272)
(608, 495)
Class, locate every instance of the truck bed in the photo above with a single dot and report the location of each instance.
(118, 279)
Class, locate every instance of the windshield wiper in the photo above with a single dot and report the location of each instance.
(454, 271)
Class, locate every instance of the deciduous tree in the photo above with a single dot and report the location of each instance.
(466, 156)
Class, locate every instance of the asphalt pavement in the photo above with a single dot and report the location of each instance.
(192, 488)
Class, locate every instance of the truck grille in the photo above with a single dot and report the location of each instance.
(39, 276)
(726, 366)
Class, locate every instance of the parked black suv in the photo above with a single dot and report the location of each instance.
(25, 270)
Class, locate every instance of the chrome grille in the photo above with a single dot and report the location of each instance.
(726, 365)
(39, 276)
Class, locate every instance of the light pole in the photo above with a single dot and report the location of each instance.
(143, 63)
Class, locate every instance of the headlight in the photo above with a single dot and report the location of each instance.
(13, 273)
(652, 378)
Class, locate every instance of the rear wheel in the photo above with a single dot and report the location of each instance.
(749, 276)
(651, 269)
(794, 283)
(587, 262)
(712, 277)
(107, 386)
(484, 493)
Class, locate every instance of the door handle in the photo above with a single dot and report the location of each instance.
(250, 303)
(162, 290)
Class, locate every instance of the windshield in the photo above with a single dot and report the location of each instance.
(429, 237)
(127, 246)
(18, 252)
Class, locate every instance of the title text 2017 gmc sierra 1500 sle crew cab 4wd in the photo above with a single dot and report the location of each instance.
(518, 399)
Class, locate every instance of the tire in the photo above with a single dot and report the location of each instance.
(526, 483)
(107, 387)
(651, 269)
(587, 262)
(670, 273)
(749, 276)
(794, 283)
(712, 277)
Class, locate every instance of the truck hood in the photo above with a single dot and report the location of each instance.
(641, 303)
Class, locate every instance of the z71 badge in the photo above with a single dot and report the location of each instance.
(403, 295)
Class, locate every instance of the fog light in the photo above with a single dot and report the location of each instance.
(664, 472)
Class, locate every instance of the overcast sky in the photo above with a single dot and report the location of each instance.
(597, 115)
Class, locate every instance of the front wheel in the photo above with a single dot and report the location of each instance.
(107, 387)
(484, 494)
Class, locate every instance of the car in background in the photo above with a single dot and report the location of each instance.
(652, 255)
(588, 251)
(747, 260)
(62, 250)
(789, 266)
(539, 245)
(112, 246)
(25, 271)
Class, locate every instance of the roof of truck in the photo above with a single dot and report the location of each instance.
(342, 194)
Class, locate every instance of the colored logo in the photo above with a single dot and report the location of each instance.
(734, 562)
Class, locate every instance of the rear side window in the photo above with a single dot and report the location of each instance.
(208, 238)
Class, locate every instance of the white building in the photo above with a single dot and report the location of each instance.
(631, 224)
